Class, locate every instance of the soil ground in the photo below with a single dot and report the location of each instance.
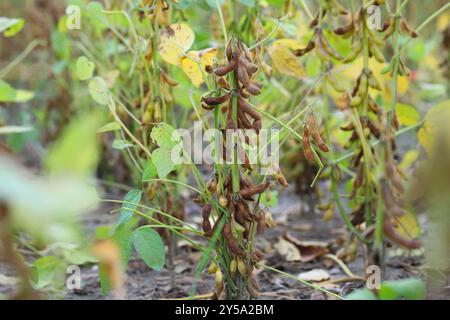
(293, 217)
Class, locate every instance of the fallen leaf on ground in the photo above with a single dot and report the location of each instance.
(287, 250)
(309, 250)
(315, 275)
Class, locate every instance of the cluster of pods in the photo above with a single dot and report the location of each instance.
(237, 85)
(371, 122)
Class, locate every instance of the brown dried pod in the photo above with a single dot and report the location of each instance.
(300, 52)
(314, 22)
(231, 243)
(231, 125)
(245, 210)
(212, 185)
(373, 106)
(258, 84)
(242, 49)
(238, 216)
(244, 93)
(261, 226)
(386, 25)
(404, 27)
(171, 82)
(348, 127)
(242, 75)
(316, 135)
(307, 149)
(392, 174)
(257, 126)
(223, 71)
(397, 238)
(258, 253)
(254, 190)
(373, 129)
(250, 67)
(229, 50)
(247, 108)
(206, 224)
(245, 182)
(389, 201)
(215, 101)
(356, 160)
(253, 89)
(345, 30)
(282, 180)
(244, 120)
(221, 82)
(357, 216)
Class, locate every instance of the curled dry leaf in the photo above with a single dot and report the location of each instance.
(288, 250)
(309, 250)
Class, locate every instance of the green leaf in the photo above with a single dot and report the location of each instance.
(112, 126)
(76, 152)
(122, 236)
(150, 171)
(149, 246)
(85, 68)
(162, 159)
(102, 232)
(407, 115)
(131, 200)
(48, 271)
(363, 294)
(10, 27)
(79, 256)
(105, 285)
(411, 289)
(162, 135)
(99, 90)
(121, 144)
(9, 94)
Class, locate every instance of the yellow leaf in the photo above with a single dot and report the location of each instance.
(174, 41)
(437, 119)
(192, 70)
(195, 62)
(408, 226)
(443, 21)
(289, 43)
(207, 56)
(408, 159)
(284, 60)
(407, 115)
